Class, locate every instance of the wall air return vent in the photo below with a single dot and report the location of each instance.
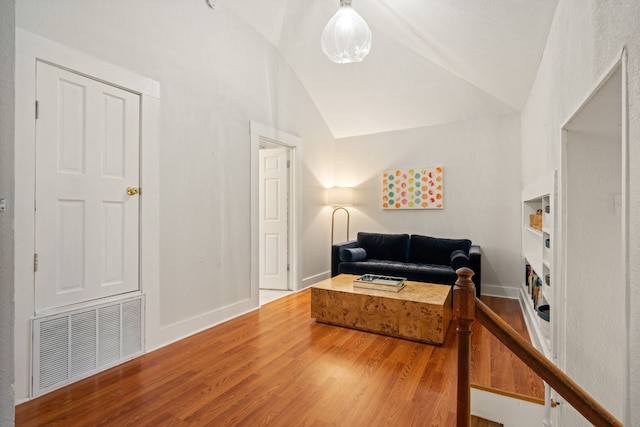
(75, 344)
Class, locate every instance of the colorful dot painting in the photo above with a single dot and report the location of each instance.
(416, 188)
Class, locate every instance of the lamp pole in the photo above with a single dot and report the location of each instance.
(333, 219)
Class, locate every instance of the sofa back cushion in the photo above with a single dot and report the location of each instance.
(435, 250)
(392, 247)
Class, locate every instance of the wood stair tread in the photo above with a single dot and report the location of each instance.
(481, 422)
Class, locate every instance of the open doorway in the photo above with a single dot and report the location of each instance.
(274, 216)
(275, 213)
(594, 244)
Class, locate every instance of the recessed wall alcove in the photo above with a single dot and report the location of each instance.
(593, 244)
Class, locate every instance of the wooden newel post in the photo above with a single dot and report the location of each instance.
(464, 309)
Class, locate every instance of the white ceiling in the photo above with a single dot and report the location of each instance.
(431, 61)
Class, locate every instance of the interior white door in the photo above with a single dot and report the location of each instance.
(274, 213)
(87, 155)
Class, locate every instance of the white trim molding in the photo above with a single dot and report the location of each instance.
(258, 131)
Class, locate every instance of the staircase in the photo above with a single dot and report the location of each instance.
(504, 410)
(481, 422)
(467, 309)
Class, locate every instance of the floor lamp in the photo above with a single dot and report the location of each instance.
(340, 197)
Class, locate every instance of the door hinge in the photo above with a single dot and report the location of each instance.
(288, 164)
(288, 267)
(37, 109)
(35, 262)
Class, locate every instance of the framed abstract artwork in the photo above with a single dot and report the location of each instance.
(414, 188)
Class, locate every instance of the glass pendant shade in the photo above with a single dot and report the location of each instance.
(347, 37)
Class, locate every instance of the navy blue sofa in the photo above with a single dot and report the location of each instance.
(415, 257)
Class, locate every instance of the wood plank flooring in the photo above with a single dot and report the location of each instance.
(502, 371)
(481, 422)
(276, 366)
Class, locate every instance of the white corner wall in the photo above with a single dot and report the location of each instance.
(7, 145)
(216, 74)
(482, 183)
(586, 38)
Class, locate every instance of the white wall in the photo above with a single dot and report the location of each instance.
(593, 239)
(481, 161)
(215, 75)
(7, 71)
(585, 39)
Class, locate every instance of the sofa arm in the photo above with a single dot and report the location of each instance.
(335, 254)
(476, 265)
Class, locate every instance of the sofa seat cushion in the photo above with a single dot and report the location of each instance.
(390, 247)
(435, 250)
(442, 274)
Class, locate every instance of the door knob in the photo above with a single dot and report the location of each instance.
(132, 191)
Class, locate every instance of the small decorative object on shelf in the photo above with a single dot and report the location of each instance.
(543, 312)
(535, 220)
(380, 283)
(534, 285)
(544, 315)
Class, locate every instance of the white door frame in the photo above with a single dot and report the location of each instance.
(30, 48)
(294, 143)
(618, 64)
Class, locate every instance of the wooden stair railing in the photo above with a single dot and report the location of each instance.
(467, 308)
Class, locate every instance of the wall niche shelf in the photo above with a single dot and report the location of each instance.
(538, 243)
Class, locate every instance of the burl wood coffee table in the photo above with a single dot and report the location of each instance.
(419, 312)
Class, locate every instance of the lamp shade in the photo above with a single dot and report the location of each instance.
(340, 196)
(346, 37)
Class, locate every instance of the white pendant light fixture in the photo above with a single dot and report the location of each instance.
(347, 37)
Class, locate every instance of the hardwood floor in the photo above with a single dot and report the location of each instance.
(278, 367)
(502, 371)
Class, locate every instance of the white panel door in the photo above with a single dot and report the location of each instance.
(87, 155)
(274, 201)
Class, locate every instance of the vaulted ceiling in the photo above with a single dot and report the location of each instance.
(431, 61)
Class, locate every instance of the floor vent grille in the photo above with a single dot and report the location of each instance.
(72, 345)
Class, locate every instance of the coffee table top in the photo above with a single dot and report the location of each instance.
(429, 293)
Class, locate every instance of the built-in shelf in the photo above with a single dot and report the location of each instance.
(534, 325)
(535, 261)
(538, 259)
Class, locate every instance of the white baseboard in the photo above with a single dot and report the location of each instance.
(308, 281)
(499, 291)
(168, 334)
